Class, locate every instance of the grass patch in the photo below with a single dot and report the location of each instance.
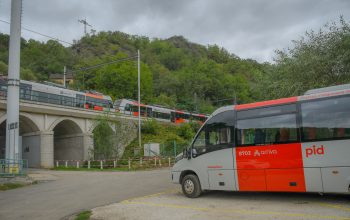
(8, 186)
(85, 215)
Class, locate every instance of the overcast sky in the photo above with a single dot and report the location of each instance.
(247, 28)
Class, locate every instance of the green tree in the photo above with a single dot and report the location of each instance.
(318, 59)
(120, 80)
(104, 139)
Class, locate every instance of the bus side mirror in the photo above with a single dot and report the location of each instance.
(186, 153)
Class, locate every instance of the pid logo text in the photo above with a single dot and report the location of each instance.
(314, 151)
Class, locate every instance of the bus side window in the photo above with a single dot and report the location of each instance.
(326, 119)
(267, 130)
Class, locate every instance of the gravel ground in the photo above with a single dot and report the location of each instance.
(172, 204)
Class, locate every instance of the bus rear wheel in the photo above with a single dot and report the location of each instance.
(191, 186)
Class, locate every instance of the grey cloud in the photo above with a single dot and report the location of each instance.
(249, 29)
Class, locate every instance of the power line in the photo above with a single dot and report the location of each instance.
(92, 49)
(44, 35)
(103, 64)
(71, 44)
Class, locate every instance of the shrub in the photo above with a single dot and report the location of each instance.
(150, 127)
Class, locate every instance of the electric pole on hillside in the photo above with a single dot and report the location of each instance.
(12, 123)
(139, 94)
(84, 22)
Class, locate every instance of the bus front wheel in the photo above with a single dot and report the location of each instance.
(191, 186)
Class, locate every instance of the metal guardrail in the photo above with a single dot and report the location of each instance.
(131, 163)
(11, 168)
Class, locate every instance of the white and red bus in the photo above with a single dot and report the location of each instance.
(297, 144)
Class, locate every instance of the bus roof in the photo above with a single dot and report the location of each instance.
(309, 95)
(328, 89)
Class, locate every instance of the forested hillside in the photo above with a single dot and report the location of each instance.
(178, 73)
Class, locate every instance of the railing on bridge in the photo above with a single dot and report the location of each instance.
(10, 168)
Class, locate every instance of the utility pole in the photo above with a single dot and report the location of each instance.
(195, 101)
(12, 123)
(84, 22)
(64, 76)
(139, 92)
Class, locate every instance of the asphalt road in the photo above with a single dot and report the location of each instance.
(69, 192)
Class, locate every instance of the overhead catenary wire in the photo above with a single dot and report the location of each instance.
(71, 44)
(56, 39)
(103, 64)
(44, 35)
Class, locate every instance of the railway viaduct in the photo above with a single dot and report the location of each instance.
(51, 132)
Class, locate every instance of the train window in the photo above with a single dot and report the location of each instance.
(267, 130)
(165, 116)
(161, 115)
(54, 99)
(217, 134)
(67, 101)
(25, 93)
(43, 97)
(35, 95)
(80, 101)
(326, 119)
(128, 107)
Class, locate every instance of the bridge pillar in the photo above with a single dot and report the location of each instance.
(46, 149)
(88, 143)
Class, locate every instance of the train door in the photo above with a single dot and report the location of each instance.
(149, 112)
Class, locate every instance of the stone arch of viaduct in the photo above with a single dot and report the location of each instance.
(49, 132)
(46, 138)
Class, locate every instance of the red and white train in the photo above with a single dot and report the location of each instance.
(56, 94)
(130, 107)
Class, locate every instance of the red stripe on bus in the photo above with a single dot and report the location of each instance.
(267, 103)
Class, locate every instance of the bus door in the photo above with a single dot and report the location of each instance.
(213, 150)
(268, 152)
(325, 144)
